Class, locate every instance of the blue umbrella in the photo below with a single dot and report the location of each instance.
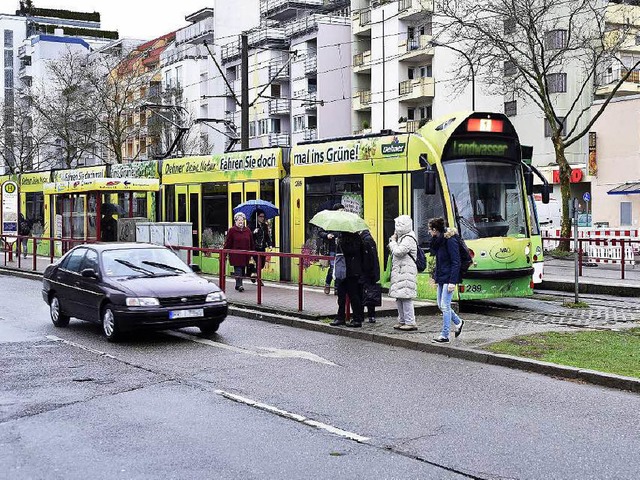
(249, 207)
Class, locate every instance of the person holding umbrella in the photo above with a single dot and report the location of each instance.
(330, 243)
(239, 237)
(261, 239)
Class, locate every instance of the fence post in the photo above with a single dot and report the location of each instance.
(580, 257)
(622, 258)
(35, 249)
(300, 274)
(259, 277)
(222, 273)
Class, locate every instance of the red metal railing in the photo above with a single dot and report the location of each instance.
(611, 251)
(7, 243)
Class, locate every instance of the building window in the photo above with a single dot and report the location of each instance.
(426, 112)
(178, 76)
(511, 108)
(252, 129)
(547, 127)
(263, 126)
(637, 39)
(555, 39)
(509, 68)
(411, 114)
(298, 123)
(410, 73)
(426, 71)
(625, 213)
(8, 39)
(510, 25)
(557, 82)
(8, 59)
(275, 126)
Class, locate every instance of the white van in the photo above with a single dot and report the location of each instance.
(550, 214)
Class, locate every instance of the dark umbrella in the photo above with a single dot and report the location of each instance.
(249, 207)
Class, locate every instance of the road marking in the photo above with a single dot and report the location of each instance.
(294, 416)
(258, 352)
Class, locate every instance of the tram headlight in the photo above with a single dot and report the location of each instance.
(527, 250)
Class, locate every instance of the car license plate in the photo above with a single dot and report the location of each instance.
(193, 312)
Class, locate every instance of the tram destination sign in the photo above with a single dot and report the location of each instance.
(480, 147)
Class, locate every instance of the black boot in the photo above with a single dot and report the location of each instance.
(337, 322)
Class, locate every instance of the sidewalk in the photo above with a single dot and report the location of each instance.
(280, 306)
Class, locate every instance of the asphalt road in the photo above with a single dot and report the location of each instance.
(176, 405)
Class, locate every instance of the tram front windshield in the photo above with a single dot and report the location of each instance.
(487, 198)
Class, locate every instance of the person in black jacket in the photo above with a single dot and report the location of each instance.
(261, 239)
(370, 271)
(350, 245)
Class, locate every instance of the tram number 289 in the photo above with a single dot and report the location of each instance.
(469, 288)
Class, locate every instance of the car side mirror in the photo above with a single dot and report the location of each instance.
(89, 273)
(429, 182)
(528, 181)
(545, 193)
(195, 268)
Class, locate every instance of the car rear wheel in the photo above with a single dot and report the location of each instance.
(58, 318)
(109, 324)
(209, 328)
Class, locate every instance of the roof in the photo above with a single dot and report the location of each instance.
(625, 189)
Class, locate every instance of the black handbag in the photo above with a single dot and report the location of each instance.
(372, 295)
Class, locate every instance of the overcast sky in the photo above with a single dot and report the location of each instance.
(141, 19)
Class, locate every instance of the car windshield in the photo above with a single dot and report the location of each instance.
(142, 262)
(487, 197)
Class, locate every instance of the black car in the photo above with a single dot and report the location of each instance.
(131, 286)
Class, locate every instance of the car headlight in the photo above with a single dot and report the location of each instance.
(142, 302)
(215, 297)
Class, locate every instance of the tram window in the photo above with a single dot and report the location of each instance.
(140, 205)
(215, 215)
(35, 211)
(268, 190)
(425, 207)
(321, 193)
(92, 202)
(182, 207)
(489, 198)
(78, 216)
(170, 205)
(533, 214)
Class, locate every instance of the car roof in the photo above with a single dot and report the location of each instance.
(101, 247)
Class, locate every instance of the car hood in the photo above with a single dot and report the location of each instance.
(168, 286)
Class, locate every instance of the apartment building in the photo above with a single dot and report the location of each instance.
(191, 79)
(299, 73)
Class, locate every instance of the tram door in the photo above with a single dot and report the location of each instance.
(189, 209)
(241, 192)
(390, 197)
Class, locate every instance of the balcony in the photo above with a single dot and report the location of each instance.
(408, 126)
(311, 65)
(279, 140)
(310, 134)
(196, 33)
(361, 22)
(279, 106)
(417, 89)
(411, 10)
(416, 49)
(362, 100)
(25, 72)
(274, 70)
(309, 23)
(608, 81)
(261, 36)
(283, 9)
(362, 62)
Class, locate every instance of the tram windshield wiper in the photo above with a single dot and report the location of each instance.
(135, 267)
(462, 220)
(164, 266)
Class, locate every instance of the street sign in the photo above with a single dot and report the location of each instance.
(10, 210)
(586, 196)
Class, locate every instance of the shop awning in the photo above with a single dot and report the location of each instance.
(625, 189)
(103, 185)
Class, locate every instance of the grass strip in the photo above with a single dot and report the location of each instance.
(605, 351)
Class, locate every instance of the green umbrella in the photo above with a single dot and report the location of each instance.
(339, 221)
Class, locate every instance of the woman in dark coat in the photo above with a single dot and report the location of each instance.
(445, 247)
(350, 245)
(261, 240)
(239, 237)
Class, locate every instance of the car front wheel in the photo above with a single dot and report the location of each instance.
(110, 325)
(58, 318)
(209, 328)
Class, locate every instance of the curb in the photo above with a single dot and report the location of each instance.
(609, 380)
(310, 322)
(592, 288)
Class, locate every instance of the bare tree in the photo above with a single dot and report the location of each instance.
(524, 47)
(121, 88)
(21, 137)
(63, 100)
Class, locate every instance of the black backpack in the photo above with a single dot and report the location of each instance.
(420, 260)
(465, 256)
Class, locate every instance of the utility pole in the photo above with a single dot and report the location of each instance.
(383, 74)
(244, 116)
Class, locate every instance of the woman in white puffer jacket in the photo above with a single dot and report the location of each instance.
(404, 248)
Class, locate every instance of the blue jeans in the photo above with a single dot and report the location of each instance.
(238, 272)
(448, 315)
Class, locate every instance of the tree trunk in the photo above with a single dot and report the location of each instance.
(565, 192)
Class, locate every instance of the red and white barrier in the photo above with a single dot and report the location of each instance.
(605, 245)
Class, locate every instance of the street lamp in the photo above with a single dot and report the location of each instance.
(473, 72)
